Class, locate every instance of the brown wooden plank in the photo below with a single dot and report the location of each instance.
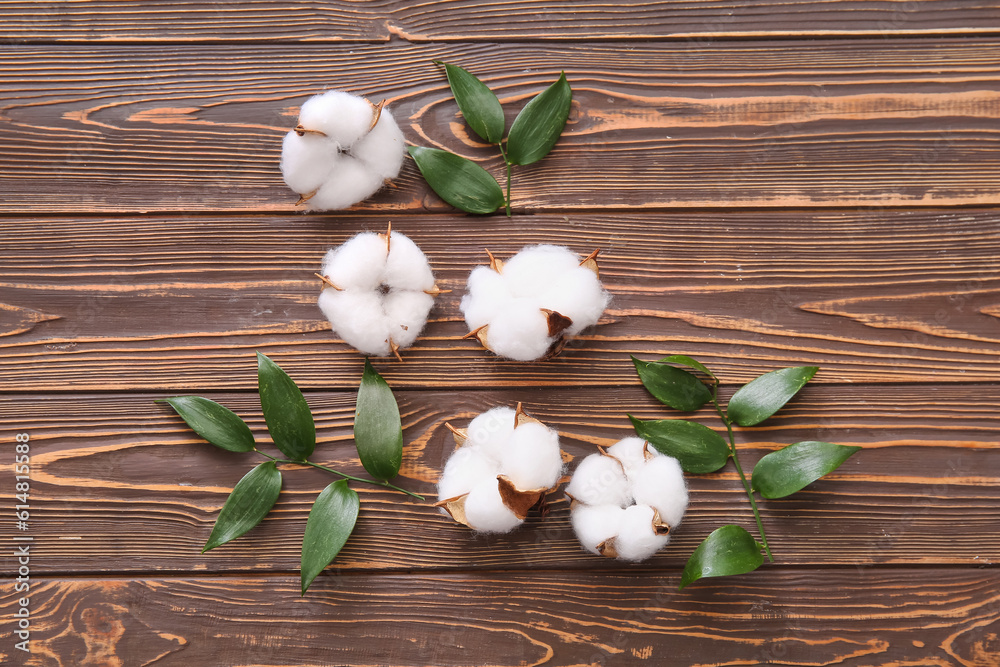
(877, 618)
(182, 303)
(120, 484)
(763, 124)
(470, 20)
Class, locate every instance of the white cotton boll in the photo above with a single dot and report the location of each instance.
(579, 296)
(406, 266)
(407, 312)
(650, 487)
(660, 484)
(383, 148)
(491, 430)
(485, 510)
(535, 268)
(342, 117)
(632, 454)
(339, 159)
(358, 318)
(594, 525)
(521, 334)
(365, 309)
(500, 462)
(349, 182)
(532, 459)
(600, 480)
(488, 297)
(516, 298)
(358, 264)
(466, 468)
(306, 161)
(637, 539)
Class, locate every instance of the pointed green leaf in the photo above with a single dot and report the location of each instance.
(728, 550)
(672, 386)
(477, 102)
(289, 420)
(794, 467)
(248, 504)
(378, 431)
(330, 523)
(689, 362)
(216, 423)
(460, 182)
(537, 128)
(698, 448)
(763, 396)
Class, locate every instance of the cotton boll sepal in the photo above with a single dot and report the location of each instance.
(504, 464)
(626, 500)
(343, 151)
(378, 291)
(530, 306)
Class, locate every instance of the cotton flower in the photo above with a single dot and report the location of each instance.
(378, 291)
(505, 463)
(342, 151)
(528, 307)
(626, 499)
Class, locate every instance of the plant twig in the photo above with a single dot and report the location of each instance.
(509, 165)
(373, 482)
(739, 469)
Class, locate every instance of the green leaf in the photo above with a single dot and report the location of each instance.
(728, 550)
(289, 420)
(460, 182)
(248, 504)
(794, 467)
(672, 386)
(378, 430)
(478, 104)
(216, 423)
(330, 523)
(763, 396)
(689, 362)
(537, 128)
(698, 448)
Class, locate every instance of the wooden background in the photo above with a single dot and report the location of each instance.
(772, 184)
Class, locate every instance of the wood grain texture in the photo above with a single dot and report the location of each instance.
(182, 303)
(471, 20)
(773, 183)
(653, 125)
(875, 618)
(925, 490)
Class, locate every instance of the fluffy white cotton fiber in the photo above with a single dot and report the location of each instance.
(637, 538)
(660, 484)
(600, 480)
(379, 292)
(523, 308)
(343, 151)
(500, 447)
(626, 500)
(485, 510)
(531, 458)
(596, 524)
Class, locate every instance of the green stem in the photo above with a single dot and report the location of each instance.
(373, 482)
(739, 469)
(509, 165)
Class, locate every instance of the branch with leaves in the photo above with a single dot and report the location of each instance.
(732, 549)
(378, 436)
(463, 183)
